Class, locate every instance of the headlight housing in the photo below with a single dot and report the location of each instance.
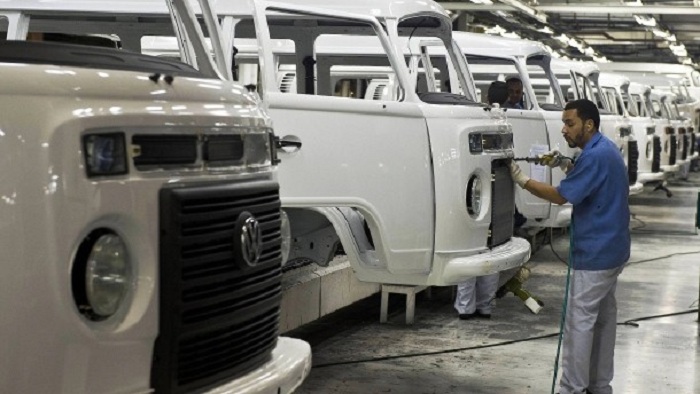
(101, 275)
(474, 191)
(105, 154)
(490, 142)
(625, 131)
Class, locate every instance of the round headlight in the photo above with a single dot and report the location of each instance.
(286, 233)
(474, 195)
(101, 275)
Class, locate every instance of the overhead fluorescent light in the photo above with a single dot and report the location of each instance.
(496, 30)
(546, 30)
(645, 21)
(661, 33)
(526, 9)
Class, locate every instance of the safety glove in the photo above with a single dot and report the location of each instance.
(517, 174)
(553, 159)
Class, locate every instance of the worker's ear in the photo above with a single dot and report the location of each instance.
(588, 125)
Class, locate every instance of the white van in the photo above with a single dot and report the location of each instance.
(536, 127)
(415, 186)
(669, 141)
(582, 83)
(617, 89)
(141, 234)
(679, 74)
(637, 104)
(681, 125)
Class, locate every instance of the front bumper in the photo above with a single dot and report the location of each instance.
(511, 254)
(284, 373)
(646, 177)
(636, 188)
(670, 168)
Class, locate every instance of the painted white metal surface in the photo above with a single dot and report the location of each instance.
(368, 165)
(663, 128)
(410, 150)
(49, 205)
(289, 365)
(530, 127)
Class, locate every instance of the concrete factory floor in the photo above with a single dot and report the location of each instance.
(514, 351)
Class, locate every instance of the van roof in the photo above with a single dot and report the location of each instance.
(584, 68)
(656, 68)
(388, 9)
(487, 45)
(639, 88)
(612, 79)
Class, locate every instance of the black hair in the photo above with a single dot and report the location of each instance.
(498, 92)
(513, 80)
(585, 109)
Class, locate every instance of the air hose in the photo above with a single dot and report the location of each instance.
(562, 321)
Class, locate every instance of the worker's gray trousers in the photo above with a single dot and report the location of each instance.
(476, 293)
(589, 333)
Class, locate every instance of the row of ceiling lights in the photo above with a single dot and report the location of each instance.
(647, 21)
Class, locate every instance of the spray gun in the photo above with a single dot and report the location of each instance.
(515, 286)
(536, 160)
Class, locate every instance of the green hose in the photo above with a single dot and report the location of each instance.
(697, 214)
(565, 303)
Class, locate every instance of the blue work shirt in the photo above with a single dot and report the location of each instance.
(598, 189)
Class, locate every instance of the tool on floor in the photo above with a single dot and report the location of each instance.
(515, 286)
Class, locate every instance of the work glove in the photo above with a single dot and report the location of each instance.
(517, 174)
(554, 158)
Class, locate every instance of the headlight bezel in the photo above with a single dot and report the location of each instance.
(474, 195)
(85, 271)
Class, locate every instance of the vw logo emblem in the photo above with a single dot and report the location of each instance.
(248, 239)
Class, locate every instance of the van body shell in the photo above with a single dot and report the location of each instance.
(51, 204)
(412, 195)
(617, 89)
(532, 127)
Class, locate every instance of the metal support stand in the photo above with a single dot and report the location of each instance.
(409, 291)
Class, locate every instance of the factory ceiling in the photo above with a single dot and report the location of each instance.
(629, 31)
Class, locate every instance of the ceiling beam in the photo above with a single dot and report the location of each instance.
(577, 9)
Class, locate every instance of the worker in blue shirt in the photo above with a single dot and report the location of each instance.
(596, 185)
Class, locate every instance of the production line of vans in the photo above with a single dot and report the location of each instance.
(208, 144)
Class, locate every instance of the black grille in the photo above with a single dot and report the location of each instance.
(656, 158)
(632, 161)
(693, 144)
(218, 314)
(502, 204)
(165, 149)
(187, 151)
(672, 150)
(686, 145)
